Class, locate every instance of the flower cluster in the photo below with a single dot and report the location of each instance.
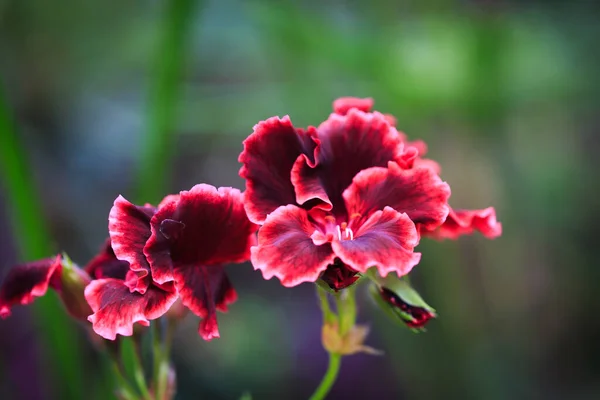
(348, 199)
(346, 196)
(155, 255)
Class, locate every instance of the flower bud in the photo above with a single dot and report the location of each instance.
(70, 286)
(400, 301)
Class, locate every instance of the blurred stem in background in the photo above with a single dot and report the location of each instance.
(33, 240)
(157, 148)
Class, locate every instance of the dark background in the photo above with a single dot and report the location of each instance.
(505, 94)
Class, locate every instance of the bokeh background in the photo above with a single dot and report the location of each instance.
(143, 98)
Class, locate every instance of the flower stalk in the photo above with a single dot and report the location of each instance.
(340, 334)
(330, 377)
(138, 372)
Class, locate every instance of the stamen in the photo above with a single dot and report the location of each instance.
(349, 233)
(330, 218)
(355, 215)
(339, 232)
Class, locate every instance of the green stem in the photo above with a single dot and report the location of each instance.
(329, 379)
(163, 367)
(157, 355)
(329, 316)
(125, 389)
(346, 308)
(138, 372)
(153, 169)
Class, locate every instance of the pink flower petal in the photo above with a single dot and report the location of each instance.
(27, 281)
(348, 145)
(129, 229)
(342, 105)
(385, 240)
(418, 192)
(116, 308)
(204, 290)
(205, 226)
(286, 250)
(268, 156)
(106, 265)
(466, 222)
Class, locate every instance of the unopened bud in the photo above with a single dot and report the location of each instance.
(71, 286)
(400, 301)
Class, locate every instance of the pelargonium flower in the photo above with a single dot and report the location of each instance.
(338, 199)
(27, 281)
(184, 242)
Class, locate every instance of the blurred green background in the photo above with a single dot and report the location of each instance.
(142, 98)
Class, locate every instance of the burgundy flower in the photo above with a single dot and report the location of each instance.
(184, 243)
(27, 281)
(344, 196)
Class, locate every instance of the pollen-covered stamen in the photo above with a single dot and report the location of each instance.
(344, 232)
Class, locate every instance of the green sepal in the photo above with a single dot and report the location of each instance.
(403, 288)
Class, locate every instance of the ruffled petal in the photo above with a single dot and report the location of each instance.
(268, 156)
(386, 240)
(170, 198)
(348, 145)
(106, 265)
(26, 281)
(204, 290)
(342, 105)
(116, 308)
(418, 192)
(205, 226)
(129, 229)
(466, 222)
(418, 144)
(310, 191)
(412, 157)
(286, 250)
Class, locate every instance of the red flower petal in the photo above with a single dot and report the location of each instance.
(26, 281)
(268, 156)
(205, 227)
(170, 198)
(204, 290)
(107, 265)
(390, 119)
(420, 145)
(129, 229)
(418, 192)
(348, 145)
(465, 222)
(344, 104)
(285, 248)
(385, 240)
(116, 308)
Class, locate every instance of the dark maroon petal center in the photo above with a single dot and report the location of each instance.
(339, 276)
